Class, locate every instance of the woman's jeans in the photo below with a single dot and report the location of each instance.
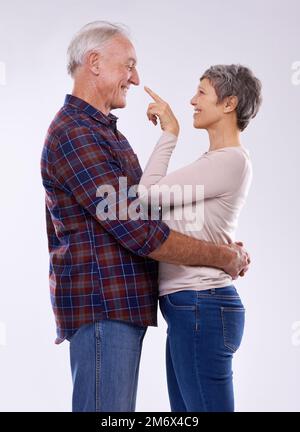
(205, 328)
(105, 358)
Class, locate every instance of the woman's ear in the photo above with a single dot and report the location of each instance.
(231, 103)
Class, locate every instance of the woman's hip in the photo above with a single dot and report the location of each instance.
(211, 318)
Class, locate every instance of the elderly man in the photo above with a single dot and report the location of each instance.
(103, 271)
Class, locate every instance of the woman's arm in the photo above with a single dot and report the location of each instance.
(214, 174)
(157, 165)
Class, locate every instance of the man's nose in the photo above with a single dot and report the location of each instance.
(135, 79)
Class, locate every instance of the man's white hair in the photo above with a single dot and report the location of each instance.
(91, 37)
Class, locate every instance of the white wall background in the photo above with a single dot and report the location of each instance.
(175, 42)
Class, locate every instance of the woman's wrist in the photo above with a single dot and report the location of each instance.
(171, 133)
(174, 130)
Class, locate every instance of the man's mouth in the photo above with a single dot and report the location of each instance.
(125, 89)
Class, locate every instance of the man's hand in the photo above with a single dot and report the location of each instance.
(239, 260)
(181, 249)
(242, 273)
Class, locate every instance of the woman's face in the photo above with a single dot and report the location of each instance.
(208, 111)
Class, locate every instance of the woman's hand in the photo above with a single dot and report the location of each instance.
(160, 109)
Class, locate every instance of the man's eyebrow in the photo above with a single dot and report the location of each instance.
(131, 59)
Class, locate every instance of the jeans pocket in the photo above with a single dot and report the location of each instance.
(182, 300)
(233, 321)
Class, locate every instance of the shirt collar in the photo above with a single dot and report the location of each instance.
(108, 120)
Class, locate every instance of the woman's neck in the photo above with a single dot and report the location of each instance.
(220, 137)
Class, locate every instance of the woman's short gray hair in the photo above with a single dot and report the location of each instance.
(91, 37)
(239, 81)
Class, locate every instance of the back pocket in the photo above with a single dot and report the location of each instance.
(233, 320)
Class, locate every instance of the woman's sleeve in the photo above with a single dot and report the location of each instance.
(214, 174)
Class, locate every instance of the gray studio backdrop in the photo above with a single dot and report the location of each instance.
(175, 42)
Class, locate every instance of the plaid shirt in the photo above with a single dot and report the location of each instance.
(98, 268)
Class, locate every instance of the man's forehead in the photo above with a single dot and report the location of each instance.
(120, 42)
(123, 46)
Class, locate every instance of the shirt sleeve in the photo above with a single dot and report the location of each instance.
(85, 166)
(217, 173)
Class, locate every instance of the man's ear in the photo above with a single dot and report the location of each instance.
(231, 102)
(93, 62)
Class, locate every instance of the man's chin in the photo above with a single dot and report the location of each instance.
(120, 104)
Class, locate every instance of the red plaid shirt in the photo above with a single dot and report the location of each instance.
(98, 268)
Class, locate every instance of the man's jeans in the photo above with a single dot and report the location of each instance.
(105, 358)
(205, 328)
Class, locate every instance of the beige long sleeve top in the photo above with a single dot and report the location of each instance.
(207, 198)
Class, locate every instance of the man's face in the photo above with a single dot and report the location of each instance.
(117, 71)
(207, 109)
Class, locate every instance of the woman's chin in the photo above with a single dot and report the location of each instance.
(197, 125)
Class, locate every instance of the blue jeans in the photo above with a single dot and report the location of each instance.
(105, 358)
(205, 329)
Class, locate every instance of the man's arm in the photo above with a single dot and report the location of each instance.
(181, 249)
(82, 164)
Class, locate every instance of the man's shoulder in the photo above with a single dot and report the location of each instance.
(65, 120)
(69, 122)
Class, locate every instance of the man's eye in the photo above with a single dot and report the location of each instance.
(130, 68)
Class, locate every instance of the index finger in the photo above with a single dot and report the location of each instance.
(153, 95)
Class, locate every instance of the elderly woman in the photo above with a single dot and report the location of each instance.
(202, 308)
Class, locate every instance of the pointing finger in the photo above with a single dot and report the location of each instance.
(153, 95)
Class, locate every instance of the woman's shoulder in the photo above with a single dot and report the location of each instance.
(237, 155)
(230, 163)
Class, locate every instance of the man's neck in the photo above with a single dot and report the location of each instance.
(88, 95)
